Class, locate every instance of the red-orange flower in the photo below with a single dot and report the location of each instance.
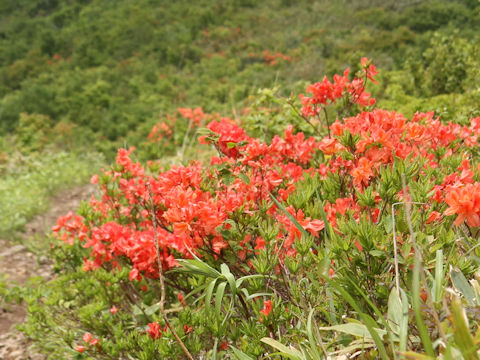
(87, 337)
(267, 308)
(369, 69)
(187, 329)
(465, 202)
(363, 172)
(154, 330)
(434, 216)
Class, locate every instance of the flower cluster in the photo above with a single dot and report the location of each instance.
(196, 116)
(465, 201)
(90, 342)
(194, 203)
(155, 331)
(189, 216)
(272, 59)
(159, 131)
(326, 92)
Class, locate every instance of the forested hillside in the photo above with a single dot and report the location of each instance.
(104, 72)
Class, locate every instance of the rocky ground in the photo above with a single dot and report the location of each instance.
(19, 264)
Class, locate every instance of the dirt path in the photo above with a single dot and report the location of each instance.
(19, 265)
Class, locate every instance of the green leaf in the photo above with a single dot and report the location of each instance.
(463, 338)
(354, 329)
(289, 352)
(376, 253)
(208, 295)
(290, 217)
(248, 277)
(253, 296)
(239, 354)
(197, 290)
(204, 131)
(311, 337)
(219, 298)
(244, 178)
(328, 228)
(367, 320)
(422, 329)
(461, 284)
(439, 275)
(229, 277)
(152, 309)
(245, 292)
(228, 179)
(136, 310)
(198, 267)
(404, 323)
(324, 267)
(230, 222)
(394, 314)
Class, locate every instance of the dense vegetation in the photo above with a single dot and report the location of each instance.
(103, 72)
(332, 215)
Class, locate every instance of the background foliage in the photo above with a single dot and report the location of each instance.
(105, 72)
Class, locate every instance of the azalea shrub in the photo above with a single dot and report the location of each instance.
(328, 228)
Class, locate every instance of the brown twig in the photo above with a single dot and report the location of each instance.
(382, 210)
(162, 280)
(244, 305)
(304, 118)
(326, 119)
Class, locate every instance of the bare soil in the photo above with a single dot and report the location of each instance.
(19, 264)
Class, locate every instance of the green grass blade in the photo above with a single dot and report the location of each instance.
(367, 320)
(415, 356)
(286, 351)
(355, 329)
(463, 338)
(240, 355)
(439, 274)
(422, 329)
(379, 316)
(404, 322)
(253, 296)
(219, 298)
(208, 295)
(197, 267)
(196, 291)
(331, 307)
(290, 217)
(229, 277)
(248, 277)
(394, 314)
(214, 351)
(328, 228)
(311, 337)
(461, 284)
